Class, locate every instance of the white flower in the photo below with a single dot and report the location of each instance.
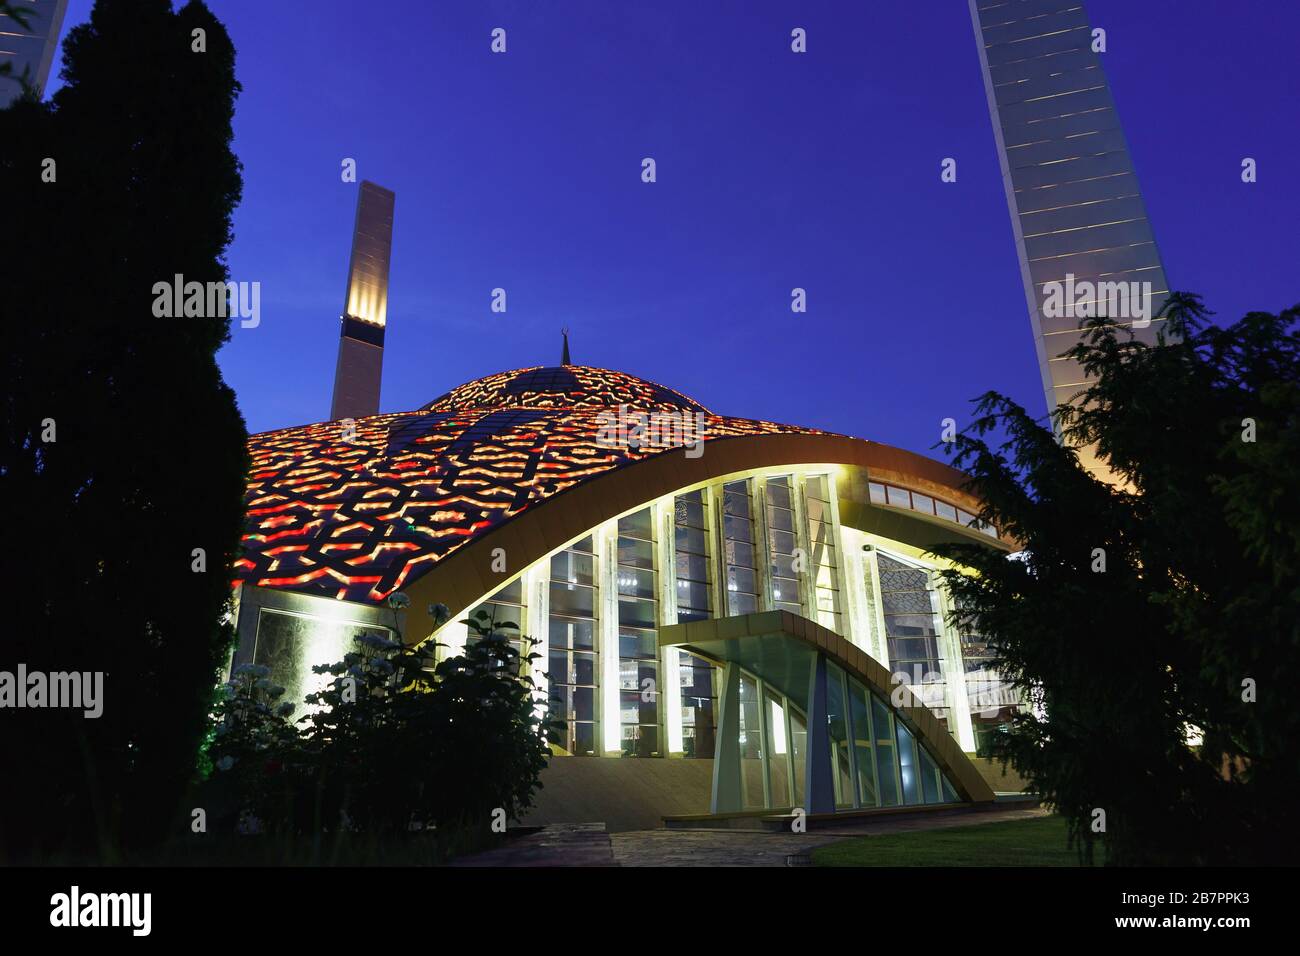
(225, 763)
(440, 613)
(398, 601)
(251, 670)
(378, 643)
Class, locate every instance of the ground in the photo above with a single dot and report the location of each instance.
(997, 837)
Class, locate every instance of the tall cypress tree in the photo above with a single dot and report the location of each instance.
(122, 455)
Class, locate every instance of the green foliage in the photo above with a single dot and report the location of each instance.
(397, 742)
(1199, 597)
(250, 735)
(149, 460)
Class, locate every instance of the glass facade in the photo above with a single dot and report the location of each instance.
(721, 532)
(573, 660)
(876, 761)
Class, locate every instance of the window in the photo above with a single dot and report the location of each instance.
(638, 645)
(882, 724)
(751, 745)
(823, 562)
(738, 548)
(778, 752)
(798, 752)
(506, 606)
(837, 716)
(912, 630)
(864, 761)
(573, 657)
(782, 543)
(909, 769)
(291, 644)
(882, 494)
(991, 699)
(930, 788)
(699, 705)
(694, 603)
(691, 530)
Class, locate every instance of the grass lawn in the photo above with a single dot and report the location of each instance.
(1036, 842)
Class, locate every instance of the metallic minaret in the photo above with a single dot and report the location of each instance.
(1076, 209)
(30, 49)
(361, 337)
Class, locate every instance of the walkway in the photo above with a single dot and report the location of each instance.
(589, 845)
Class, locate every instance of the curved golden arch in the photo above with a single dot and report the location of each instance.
(464, 577)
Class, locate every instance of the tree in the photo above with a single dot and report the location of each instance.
(122, 451)
(1159, 608)
(397, 742)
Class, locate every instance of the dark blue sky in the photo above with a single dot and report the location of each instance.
(775, 170)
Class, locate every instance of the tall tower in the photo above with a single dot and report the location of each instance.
(1073, 194)
(31, 48)
(361, 336)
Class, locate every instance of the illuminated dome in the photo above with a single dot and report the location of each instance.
(357, 509)
(563, 386)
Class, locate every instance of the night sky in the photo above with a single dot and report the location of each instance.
(775, 170)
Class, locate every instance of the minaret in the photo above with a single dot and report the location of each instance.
(361, 336)
(1076, 209)
(30, 50)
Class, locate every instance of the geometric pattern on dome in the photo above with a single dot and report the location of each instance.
(564, 386)
(360, 519)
